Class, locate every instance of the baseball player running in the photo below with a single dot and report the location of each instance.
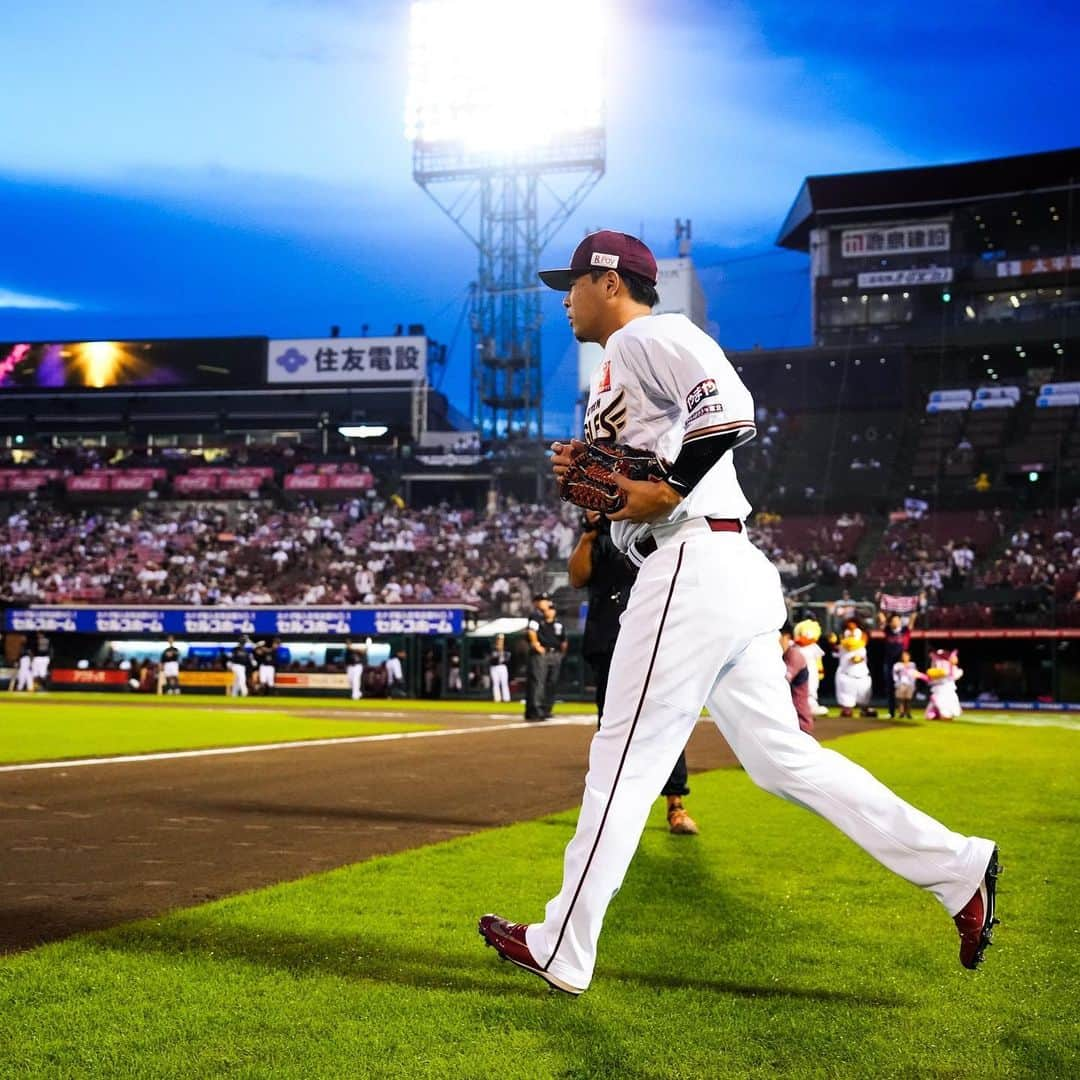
(700, 629)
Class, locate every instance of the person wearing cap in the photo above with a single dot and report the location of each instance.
(499, 667)
(699, 630)
(240, 666)
(547, 644)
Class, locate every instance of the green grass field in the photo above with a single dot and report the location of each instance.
(769, 946)
(65, 729)
(368, 704)
(46, 727)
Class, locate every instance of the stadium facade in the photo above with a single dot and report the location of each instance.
(935, 412)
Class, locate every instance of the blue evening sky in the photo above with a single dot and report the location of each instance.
(213, 168)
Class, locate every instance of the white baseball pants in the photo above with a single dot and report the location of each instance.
(239, 686)
(715, 597)
(500, 682)
(356, 675)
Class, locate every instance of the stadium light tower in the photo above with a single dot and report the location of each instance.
(505, 112)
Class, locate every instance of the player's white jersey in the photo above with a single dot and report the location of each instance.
(663, 382)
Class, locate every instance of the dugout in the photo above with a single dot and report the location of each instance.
(91, 642)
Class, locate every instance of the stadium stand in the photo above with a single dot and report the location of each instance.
(811, 547)
(222, 553)
(926, 552)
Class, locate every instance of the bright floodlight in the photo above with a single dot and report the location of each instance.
(505, 76)
(363, 431)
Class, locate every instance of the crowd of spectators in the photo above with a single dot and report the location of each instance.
(1043, 552)
(807, 549)
(366, 551)
(374, 550)
(986, 573)
(932, 553)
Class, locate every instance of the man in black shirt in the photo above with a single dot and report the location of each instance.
(597, 563)
(547, 644)
(170, 668)
(897, 642)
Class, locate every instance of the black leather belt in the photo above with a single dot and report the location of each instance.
(640, 550)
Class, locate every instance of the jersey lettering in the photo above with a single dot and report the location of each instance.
(607, 422)
(704, 389)
(705, 410)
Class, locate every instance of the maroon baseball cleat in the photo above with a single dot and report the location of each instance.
(975, 920)
(508, 940)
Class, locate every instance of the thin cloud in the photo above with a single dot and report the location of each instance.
(9, 299)
(319, 54)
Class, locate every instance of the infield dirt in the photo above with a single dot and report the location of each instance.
(88, 848)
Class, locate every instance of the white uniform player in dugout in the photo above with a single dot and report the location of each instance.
(700, 629)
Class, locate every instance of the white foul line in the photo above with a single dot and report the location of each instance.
(172, 755)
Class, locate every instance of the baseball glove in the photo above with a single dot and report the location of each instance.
(588, 481)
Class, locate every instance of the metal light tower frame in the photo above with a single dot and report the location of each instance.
(509, 206)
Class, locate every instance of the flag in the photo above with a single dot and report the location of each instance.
(899, 605)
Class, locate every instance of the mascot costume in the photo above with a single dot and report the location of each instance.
(942, 676)
(807, 634)
(853, 683)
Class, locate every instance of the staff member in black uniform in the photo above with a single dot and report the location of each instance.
(547, 643)
(598, 564)
(170, 668)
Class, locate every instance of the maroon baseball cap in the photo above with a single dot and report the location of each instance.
(604, 250)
